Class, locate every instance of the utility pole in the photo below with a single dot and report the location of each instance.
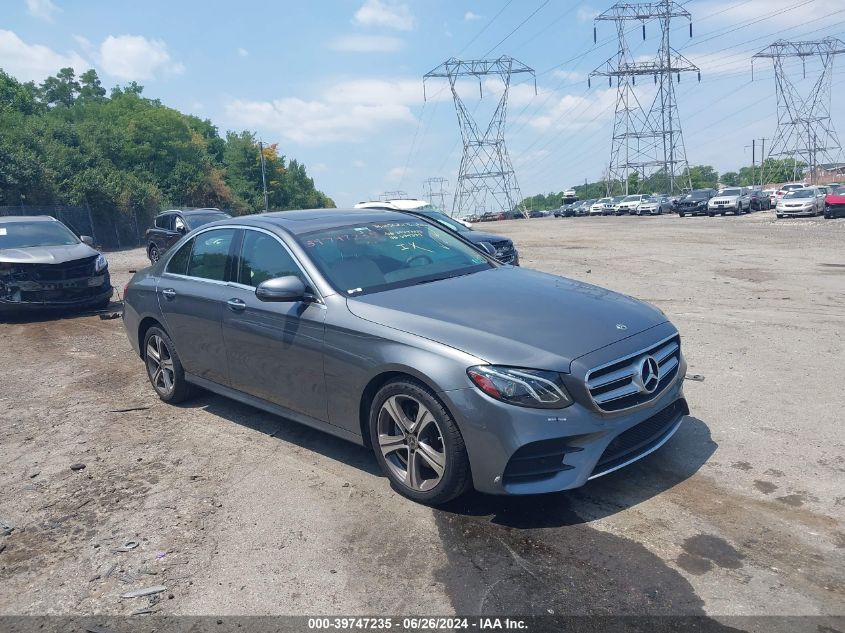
(263, 176)
(646, 141)
(485, 164)
(805, 128)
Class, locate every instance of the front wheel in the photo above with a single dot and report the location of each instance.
(417, 443)
(164, 368)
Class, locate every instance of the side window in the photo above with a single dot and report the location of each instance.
(163, 221)
(263, 258)
(178, 264)
(210, 254)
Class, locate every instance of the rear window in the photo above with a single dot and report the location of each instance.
(196, 220)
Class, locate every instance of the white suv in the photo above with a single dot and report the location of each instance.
(601, 206)
(630, 204)
(733, 199)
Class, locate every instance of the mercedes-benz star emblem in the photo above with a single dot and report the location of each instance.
(648, 376)
(621, 326)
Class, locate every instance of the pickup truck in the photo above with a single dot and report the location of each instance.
(169, 227)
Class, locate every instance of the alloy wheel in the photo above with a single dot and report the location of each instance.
(411, 442)
(160, 365)
(154, 254)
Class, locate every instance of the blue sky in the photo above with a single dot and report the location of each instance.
(338, 83)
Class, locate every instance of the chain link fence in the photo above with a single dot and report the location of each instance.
(119, 230)
(114, 230)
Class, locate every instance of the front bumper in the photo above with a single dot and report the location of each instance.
(802, 212)
(76, 294)
(505, 442)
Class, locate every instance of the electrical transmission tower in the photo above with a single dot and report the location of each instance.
(434, 190)
(393, 195)
(486, 180)
(805, 129)
(646, 141)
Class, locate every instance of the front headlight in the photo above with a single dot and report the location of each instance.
(523, 387)
(101, 264)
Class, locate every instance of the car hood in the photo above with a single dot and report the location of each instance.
(46, 254)
(476, 237)
(719, 197)
(692, 202)
(512, 316)
(833, 198)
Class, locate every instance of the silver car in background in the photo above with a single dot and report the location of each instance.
(806, 201)
(390, 331)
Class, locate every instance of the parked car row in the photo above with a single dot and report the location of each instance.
(635, 204)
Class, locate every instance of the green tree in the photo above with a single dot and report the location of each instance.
(61, 89)
(90, 86)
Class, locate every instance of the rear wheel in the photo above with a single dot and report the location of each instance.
(418, 444)
(164, 368)
(153, 253)
(780, 216)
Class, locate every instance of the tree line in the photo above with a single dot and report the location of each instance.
(66, 141)
(701, 176)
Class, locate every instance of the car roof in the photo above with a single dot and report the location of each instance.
(298, 222)
(27, 218)
(192, 211)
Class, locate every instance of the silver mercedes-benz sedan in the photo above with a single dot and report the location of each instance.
(390, 331)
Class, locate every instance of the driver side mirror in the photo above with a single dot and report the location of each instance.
(487, 247)
(282, 289)
(87, 239)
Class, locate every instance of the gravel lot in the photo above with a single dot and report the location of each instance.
(239, 512)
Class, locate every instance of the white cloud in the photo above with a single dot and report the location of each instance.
(348, 111)
(135, 58)
(34, 62)
(42, 9)
(385, 13)
(783, 13)
(469, 16)
(575, 112)
(397, 174)
(367, 44)
(587, 13)
(569, 75)
(242, 52)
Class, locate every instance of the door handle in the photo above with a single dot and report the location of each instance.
(169, 293)
(236, 305)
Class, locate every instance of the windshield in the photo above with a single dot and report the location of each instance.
(444, 219)
(196, 220)
(792, 187)
(618, 199)
(801, 193)
(604, 200)
(730, 192)
(698, 195)
(631, 198)
(28, 234)
(649, 199)
(375, 256)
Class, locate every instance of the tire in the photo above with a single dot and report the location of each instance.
(680, 215)
(710, 215)
(153, 253)
(392, 442)
(170, 384)
(780, 216)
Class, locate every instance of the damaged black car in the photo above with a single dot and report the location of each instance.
(43, 264)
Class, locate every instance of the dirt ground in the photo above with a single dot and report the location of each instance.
(236, 511)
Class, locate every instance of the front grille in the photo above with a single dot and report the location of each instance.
(538, 461)
(641, 437)
(619, 385)
(76, 269)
